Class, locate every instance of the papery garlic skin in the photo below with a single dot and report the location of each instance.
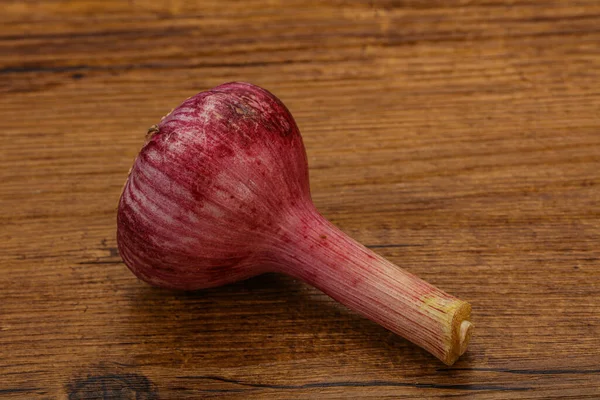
(220, 193)
(210, 186)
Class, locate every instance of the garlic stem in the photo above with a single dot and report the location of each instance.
(323, 256)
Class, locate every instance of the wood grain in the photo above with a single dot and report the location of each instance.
(459, 139)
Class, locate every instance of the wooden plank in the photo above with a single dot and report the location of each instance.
(461, 140)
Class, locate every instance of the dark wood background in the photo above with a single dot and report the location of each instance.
(460, 139)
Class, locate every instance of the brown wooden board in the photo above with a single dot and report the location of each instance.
(459, 139)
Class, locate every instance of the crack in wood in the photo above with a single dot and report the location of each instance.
(470, 387)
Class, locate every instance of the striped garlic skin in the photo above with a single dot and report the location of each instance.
(220, 193)
(209, 187)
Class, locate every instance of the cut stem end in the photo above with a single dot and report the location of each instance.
(462, 329)
(466, 328)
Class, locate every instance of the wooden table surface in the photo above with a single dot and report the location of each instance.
(459, 139)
